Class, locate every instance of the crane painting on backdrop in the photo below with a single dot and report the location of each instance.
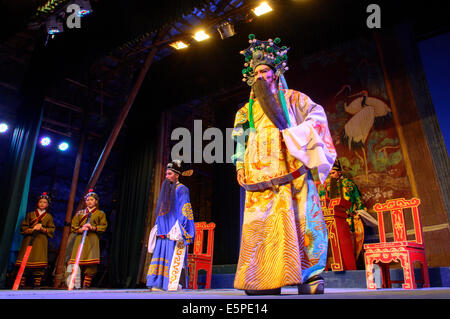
(348, 81)
(364, 110)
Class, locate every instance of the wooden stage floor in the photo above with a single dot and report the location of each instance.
(286, 293)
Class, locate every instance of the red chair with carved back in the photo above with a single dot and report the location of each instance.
(400, 250)
(198, 260)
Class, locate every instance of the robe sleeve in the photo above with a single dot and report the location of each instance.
(25, 228)
(309, 139)
(100, 223)
(239, 135)
(50, 227)
(185, 216)
(75, 225)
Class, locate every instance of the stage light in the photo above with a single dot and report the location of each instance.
(226, 30)
(85, 7)
(262, 9)
(179, 45)
(63, 146)
(200, 36)
(3, 127)
(54, 25)
(46, 141)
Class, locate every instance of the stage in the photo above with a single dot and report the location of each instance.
(188, 294)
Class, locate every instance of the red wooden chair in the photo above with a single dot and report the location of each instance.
(400, 250)
(198, 259)
(339, 237)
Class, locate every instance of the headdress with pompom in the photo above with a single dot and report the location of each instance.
(44, 196)
(263, 52)
(91, 193)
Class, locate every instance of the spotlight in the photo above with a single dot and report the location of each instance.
(3, 127)
(54, 25)
(262, 9)
(179, 45)
(201, 35)
(63, 146)
(46, 141)
(226, 30)
(85, 7)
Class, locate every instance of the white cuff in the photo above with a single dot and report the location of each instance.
(152, 239)
(175, 232)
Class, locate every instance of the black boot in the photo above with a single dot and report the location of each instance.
(313, 286)
(275, 291)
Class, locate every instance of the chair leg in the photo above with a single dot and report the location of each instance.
(425, 275)
(208, 278)
(408, 272)
(369, 273)
(194, 278)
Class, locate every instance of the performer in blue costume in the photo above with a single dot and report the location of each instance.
(174, 230)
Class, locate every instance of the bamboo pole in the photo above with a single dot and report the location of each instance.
(110, 143)
(123, 115)
(70, 204)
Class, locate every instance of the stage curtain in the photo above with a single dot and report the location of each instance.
(129, 222)
(16, 179)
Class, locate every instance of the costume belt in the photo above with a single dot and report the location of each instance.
(276, 181)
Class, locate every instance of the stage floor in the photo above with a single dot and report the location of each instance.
(286, 293)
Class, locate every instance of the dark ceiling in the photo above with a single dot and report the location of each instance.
(95, 67)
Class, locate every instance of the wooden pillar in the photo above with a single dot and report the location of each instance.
(70, 204)
(109, 145)
(123, 114)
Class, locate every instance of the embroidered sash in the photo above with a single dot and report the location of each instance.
(38, 218)
(86, 214)
(176, 265)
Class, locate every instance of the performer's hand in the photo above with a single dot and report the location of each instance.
(37, 227)
(241, 177)
(88, 226)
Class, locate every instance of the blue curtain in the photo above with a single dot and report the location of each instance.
(16, 180)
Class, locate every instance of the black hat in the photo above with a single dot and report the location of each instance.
(337, 166)
(179, 167)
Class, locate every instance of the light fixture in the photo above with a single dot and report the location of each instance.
(54, 25)
(3, 127)
(263, 8)
(201, 35)
(179, 45)
(85, 7)
(226, 29)
(45, 141)
(63, 146)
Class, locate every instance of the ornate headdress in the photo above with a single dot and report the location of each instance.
(267, 53)
(179, 167)
(91, 194)
(44, 196)
(264, 52)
